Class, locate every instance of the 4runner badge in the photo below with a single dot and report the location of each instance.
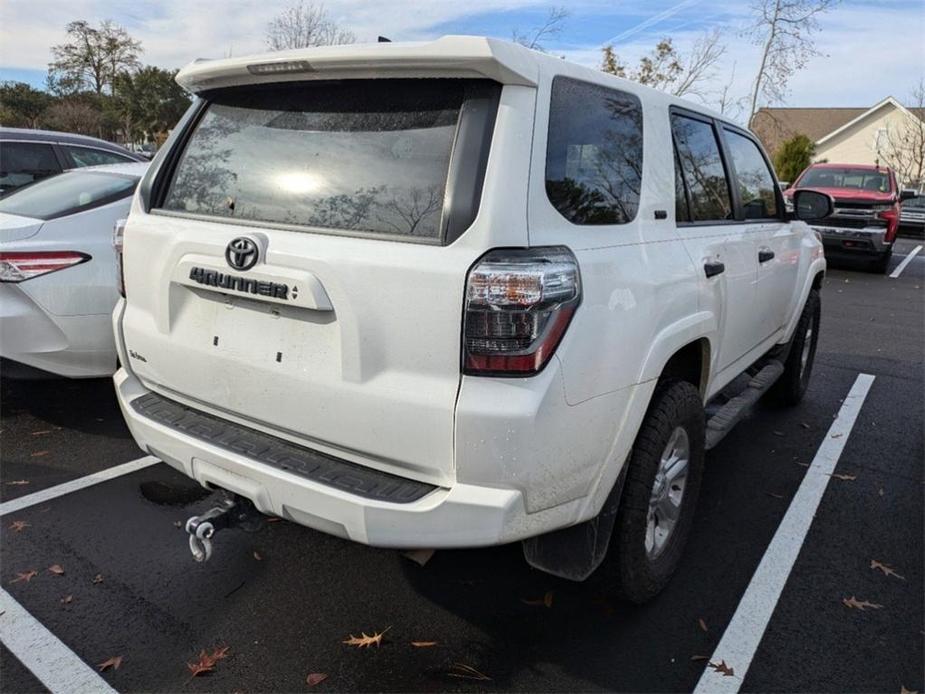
(242, 253)
(214, 278)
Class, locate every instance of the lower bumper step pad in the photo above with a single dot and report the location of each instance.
(280, 454)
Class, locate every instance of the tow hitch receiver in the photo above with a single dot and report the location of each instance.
(233, 511)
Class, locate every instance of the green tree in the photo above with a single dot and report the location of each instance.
(793, 156)
(91, 57)
(22, 106)
(147, 102)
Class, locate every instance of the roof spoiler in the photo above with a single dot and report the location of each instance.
(450, 56)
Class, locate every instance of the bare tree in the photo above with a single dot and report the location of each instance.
(91, 57)
(73, 115)
(550, 28)
(666, 69)
(783, 29)
(904, 147)
(304, 25)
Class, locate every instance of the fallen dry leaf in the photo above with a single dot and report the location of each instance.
(703, 624)
(776, 496)
(18, 526)
(97, 579)
(17, 483)
(39, 454)
(205, 664)
(273, 520)
(723, 668)
(467, 672)
(887, 570)
(696, 658)
(114, 662)
(56, 569)
(315, 678)
(804, 425)
(837, 436)
(67, 599)
(207, 661)
(854, 603)
(846, 478)
(25, 576)
(546, 600)
(258, 556)
(365, 641)
(424, 644)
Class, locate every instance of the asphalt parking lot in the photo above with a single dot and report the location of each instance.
(283, 599)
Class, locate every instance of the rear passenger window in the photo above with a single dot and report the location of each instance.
(87, 156)
(702, 169)
(25, 162)
(756, 183)
(593, 153)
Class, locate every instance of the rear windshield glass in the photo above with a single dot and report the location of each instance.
(363, 156)
(861, 179)
(68, 193)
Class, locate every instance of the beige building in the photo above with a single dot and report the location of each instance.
(851, 135)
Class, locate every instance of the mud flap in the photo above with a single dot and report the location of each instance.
(575, 552)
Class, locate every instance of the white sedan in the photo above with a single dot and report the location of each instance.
(58, 271)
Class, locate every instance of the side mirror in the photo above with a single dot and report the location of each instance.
(907, 194)
(810, 205)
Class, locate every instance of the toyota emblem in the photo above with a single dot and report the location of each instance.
(242, 253)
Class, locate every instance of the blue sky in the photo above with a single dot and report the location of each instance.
(869, 49)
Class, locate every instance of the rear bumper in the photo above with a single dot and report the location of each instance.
(464, 515)
(72, 346)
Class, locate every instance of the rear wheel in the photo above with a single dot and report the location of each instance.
(792, 384)
(662, 485)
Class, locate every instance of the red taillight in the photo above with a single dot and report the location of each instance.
(118, 236)
(18, 266)
(519, 303)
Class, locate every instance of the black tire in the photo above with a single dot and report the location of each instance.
(630, 569)
(882, 263)
(792, 384)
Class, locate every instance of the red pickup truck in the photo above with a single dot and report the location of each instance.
(866, 216)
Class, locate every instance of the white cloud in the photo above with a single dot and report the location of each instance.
(870, 50)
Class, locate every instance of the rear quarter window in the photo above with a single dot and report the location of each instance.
(360, 156)
(593, 153)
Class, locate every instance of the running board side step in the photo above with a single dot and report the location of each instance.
(727, 416)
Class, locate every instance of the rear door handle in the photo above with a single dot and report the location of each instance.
(713, 268)
(765, 254)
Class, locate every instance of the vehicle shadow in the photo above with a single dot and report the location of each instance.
(88, 406)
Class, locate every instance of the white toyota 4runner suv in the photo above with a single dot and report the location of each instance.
(457, 294)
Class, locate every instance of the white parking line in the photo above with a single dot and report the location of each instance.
(905, 262)
(745, 630)
(72, 486)
(54, 664)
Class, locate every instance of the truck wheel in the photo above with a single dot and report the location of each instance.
(662, 485)
(792, 384)
(882, 264)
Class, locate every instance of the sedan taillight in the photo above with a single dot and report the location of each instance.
(118, 237)
(18, 266)
(519, 303)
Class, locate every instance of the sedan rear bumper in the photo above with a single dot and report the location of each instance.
(72, 346)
